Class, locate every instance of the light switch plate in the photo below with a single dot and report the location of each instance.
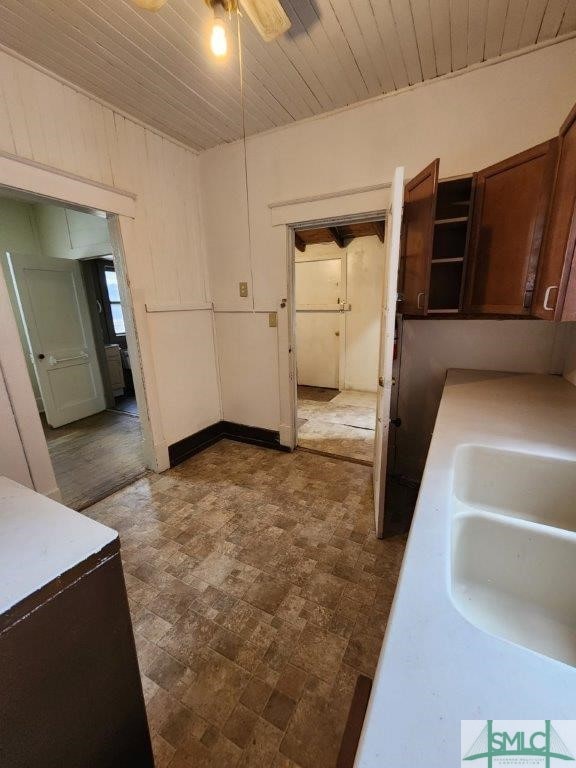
(243, 290)
(273, 319)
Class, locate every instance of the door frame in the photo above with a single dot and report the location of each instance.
(34, 182)
(291, 229)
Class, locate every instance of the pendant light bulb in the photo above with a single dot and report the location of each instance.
(218, 41)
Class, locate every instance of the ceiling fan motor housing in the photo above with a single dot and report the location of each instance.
(230, 6)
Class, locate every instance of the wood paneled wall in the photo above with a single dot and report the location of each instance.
(44, 120)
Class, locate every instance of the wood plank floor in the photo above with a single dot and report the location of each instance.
(96, 456)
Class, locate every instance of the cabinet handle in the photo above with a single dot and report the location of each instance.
(418, 305)
(547, 296)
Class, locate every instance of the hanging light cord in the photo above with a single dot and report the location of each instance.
(243, 110)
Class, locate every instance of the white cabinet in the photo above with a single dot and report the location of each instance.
(67, 234)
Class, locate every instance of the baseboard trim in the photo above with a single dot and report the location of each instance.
(241, 433)
(189, 446)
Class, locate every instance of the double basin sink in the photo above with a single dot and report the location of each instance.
(514, 547)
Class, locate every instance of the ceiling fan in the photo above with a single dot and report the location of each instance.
(268, 17)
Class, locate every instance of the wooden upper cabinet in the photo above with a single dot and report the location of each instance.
(555, 292)
(418, 232)
(511, 202)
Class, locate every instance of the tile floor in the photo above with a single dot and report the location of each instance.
(258, 594)
(342, 426)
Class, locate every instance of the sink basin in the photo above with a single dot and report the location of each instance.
(516, 580)
(514, 547)
(525, 485)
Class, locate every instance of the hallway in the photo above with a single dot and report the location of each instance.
(258, 595)
(337, 423)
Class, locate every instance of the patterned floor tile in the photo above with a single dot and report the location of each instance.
(258, 594)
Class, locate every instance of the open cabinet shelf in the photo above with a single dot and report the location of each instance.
(453, 220)
(449, 245)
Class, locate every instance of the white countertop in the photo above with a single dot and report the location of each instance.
(40, 540)
(436, 668)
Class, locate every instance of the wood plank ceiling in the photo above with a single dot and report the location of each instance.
(158, 67)
(342, 235)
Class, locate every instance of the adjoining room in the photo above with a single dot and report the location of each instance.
(59, 267)
(339, 284)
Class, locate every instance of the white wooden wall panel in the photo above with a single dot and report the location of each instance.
(48, 122)
(249, 389)
(158, 67)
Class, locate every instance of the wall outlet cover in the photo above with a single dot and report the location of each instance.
(243, 290)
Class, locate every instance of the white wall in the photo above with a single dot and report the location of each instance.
(469, 121)
(50, 123)
(67, 234)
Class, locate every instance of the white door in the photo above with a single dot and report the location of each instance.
(390, 295)
(318, 295)
(56, 316)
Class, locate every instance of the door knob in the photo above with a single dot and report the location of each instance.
(41, 356)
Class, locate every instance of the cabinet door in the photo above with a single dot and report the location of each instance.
(419, 211)
(551, 301)
(510, 206)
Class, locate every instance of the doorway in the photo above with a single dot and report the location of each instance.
(338, 285)
(59, 268)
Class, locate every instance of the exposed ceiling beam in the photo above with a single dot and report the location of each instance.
(379, 226)
(299, 243)
(338, 239)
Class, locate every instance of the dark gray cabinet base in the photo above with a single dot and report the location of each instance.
(70, 694)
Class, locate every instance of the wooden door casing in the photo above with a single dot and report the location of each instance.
(556, 270)
(420, 195)
(511, 201)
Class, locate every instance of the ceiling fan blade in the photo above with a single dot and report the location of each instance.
(149, 5)
(268, 17)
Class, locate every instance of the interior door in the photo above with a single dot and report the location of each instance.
(558, 252)
(56, 316)
(318, 304)
(510, 206)
(388, 317)
(417, 242)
